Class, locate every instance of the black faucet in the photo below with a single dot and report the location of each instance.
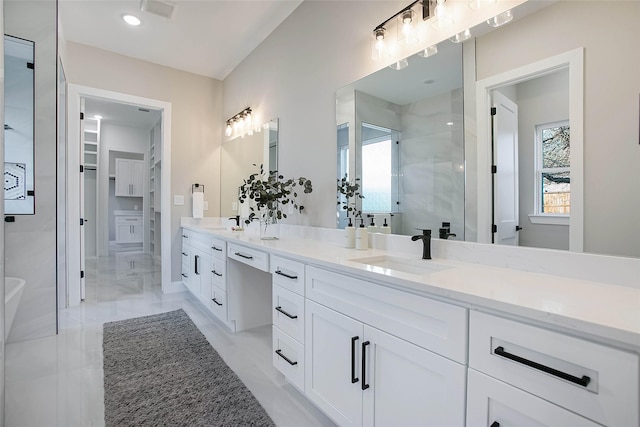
(237, 219)
(426, 243)
(445, 231)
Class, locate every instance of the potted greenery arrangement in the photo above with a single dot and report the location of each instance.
(348, 190)
(270, 193)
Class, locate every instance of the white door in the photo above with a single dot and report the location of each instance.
(81, 201)
(333, 380)
(410, 386)
(505, 147)
(493, 403)
(123, 177)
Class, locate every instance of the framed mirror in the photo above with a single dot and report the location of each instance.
(238, 159)
(19, 80)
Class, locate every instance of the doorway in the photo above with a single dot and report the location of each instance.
(145, 142)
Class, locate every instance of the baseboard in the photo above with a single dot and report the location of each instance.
(174, 287)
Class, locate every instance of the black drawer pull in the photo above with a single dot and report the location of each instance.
(216, 273)
(288, 276)
(241, 255)
(215, 248)
(584, 381)
(353, 360)
(279, 308)
(185, 236)
(495, 424)
(289, 361)
(184, 254)
(218, 303)
(184, 275)
(364, 365)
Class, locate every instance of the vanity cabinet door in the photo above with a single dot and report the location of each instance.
(129, 177)
(408, 385)
(332, 363)
(492, 403)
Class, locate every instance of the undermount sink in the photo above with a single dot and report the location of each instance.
(384, 262)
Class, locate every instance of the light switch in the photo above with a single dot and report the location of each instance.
(205, 206)
(178, 199)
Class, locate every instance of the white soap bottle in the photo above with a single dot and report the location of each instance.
(373, 228)
(362, 237)
(350, 236)
(384, 228)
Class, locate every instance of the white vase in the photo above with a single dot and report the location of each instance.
(269, 225)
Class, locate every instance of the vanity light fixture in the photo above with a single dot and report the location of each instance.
(481, 4)
(239, 123)
(131, 20)
(384, 41)
(443, 14)
(500, 19)
(461, 36)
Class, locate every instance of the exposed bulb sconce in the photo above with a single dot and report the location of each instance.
(238, 123)
(461, 36)
(444, 16)
(500, 19)
(384, 41)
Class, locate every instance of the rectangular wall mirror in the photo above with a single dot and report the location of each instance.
(238, 159)
(19, 196)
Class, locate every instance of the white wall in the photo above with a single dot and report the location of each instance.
(609, 33)
(196, 130)
(2, 343)
(31, 239)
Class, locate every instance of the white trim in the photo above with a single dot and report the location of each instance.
(75, 94)
(549, 219)
(574, 60)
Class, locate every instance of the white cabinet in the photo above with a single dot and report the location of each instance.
(360, 375)
(129, 177)
(129, 229)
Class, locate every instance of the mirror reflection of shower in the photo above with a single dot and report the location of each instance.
(18, 126)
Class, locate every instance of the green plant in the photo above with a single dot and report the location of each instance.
(349, 189)
(271, 192)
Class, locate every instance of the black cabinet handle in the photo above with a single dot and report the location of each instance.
(584, 381)
(215, 248)
(218, 303)
(288, 276)
(289, 361)
(216, 273)
(364, 365)
(184, 254)
(241, 255)
(353, 360)
(184, 275)
(495, 424)
(185, 236)
(279, 308)
(196, 258)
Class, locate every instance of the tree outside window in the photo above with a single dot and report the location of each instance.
(553, 179)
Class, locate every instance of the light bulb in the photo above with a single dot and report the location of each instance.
(378, 47)
(408, 32)
(500, 19)
(442, 12)
(229, 130)
(481, 4)
(248, 119)
(461, 36)
(131, 20)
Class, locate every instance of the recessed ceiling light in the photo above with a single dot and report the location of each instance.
(131, 20)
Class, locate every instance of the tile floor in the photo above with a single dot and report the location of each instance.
(58, 380)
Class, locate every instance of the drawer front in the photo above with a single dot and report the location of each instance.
(218, 303)
(249, 256)
(288, 312)
(590, 379)
(129, 220)
(219, 248)
(201, 242)
(493, 403)
(219, 273)
(434, 325)
(288, 274)
(288, 357)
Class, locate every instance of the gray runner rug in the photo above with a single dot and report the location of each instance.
(161, 371)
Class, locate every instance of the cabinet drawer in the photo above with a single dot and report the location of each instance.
(590, 379)
(288, 274)
(249, 256)
(201, 242)
(288, 312)
(129, 220)
(219, 273)
(434, 325)
(288, 357)
(493, 403)
(219, 303)
(219, 248)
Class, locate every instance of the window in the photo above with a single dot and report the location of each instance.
(379, 169)
(553, 178)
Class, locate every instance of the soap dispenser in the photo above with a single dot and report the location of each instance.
(384, 228)
(373, 228)
(362, 237)
(349, 236)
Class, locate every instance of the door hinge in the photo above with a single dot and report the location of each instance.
(397, 142)
(494, 111)
(81, 168)
(31, 66)
(81, 221)
(494, 228)
(81, 116)
(494, 168)
(82, 274)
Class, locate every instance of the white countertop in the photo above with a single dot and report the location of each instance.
(609, 313)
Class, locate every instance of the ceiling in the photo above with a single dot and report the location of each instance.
(206, 37)
(122, 114)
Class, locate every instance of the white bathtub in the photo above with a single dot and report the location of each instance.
(13, 288)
